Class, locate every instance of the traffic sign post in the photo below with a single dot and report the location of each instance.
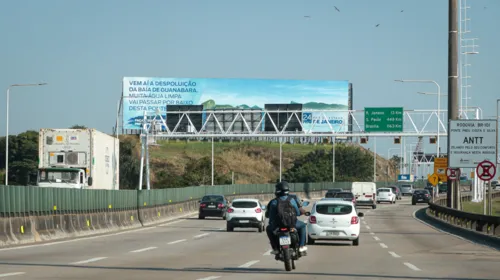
(486, 171)
(385, 119)
(433, 179)
(453, 173)
(471, 142)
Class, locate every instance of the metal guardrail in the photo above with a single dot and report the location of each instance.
(489, 225)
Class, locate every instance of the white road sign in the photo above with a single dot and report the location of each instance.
(472, 141)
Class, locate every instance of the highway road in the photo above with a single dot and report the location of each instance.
(393, 246)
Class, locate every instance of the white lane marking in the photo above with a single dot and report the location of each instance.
(368, 211)
(143, 249)
(364, 222)
(268, 253)
(394, 254)
(90, 260)
(166, 223)
(11, 274)
(249, 264)
(209, 278)
(200, 235)
(176, 241)
(411, 266)
(372, 233)
(383, 245)
(376, 238)
(368, 227)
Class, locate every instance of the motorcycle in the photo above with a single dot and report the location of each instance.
(289, 246)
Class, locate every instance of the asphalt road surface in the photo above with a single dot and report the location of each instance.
(393, 245)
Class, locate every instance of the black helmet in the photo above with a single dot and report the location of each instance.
(282, 188)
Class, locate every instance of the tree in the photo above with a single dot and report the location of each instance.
(77, 126)
(23, 158)
(351, 164)
(395, 162)
(129, 163)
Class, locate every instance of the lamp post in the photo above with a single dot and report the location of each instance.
(7, 128)
(438, 105)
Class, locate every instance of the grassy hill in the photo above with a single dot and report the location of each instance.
(252, 162)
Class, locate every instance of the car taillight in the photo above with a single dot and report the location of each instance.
(283, 229)
(312, 219)
(230, 210)
(427, 195)
(258, 210)
(220, 205)
(353, 200)
(354, 220)
(203, 205)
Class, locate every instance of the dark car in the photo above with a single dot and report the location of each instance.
(332, 192)
(213, 206)
(397, 191)
(347, 196)
(420, 196)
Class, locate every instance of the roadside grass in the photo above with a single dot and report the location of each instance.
(477, 207)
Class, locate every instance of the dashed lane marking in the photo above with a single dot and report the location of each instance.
(89, 260)
(372, 233)
(200, 235)
(249, 264)
(376, 238)
(176, 241)
(394, 254)
(368, 227)
(268, 253)
(143, 249)
(411, 266)
(383, 245)
(11, 274)
(209, 278)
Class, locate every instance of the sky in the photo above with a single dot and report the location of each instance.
(83, 49)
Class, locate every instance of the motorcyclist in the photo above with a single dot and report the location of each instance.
(281, 192)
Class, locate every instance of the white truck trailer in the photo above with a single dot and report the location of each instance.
(78, 158)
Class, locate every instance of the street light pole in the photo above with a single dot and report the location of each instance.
(7, 128)
(438, 105)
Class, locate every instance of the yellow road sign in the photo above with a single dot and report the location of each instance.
(433, 179)
(440, 165)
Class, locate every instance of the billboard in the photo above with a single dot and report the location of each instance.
(150, 94)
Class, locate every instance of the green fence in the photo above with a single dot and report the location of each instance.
(30, 200)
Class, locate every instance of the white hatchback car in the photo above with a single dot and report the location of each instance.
(385, 195)
(245, 213)
(333, 219)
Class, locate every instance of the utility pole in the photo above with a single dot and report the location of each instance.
(451, 194)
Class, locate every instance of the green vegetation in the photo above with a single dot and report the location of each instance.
(177, 163)
(477, 207)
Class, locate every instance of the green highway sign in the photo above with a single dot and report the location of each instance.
(384, 119)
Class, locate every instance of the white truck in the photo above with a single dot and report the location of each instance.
(78, 158)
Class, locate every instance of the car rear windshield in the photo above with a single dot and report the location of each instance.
(406, 186)
(244, 204)
(333, 209)
(421, 192)
(213, 198)
(384, 190)
(343, 195)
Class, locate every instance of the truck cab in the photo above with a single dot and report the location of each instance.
(75, 178)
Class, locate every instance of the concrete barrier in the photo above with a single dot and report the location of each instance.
(43, 228)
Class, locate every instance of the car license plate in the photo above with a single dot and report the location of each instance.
(244, 221)
(332, 233)
(285, 240)
(211, 206)
(420, 199)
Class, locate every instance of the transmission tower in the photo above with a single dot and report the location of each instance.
(468, 47)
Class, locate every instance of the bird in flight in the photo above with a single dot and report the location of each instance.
(336, 9)
(377, 25)
(402, 11)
